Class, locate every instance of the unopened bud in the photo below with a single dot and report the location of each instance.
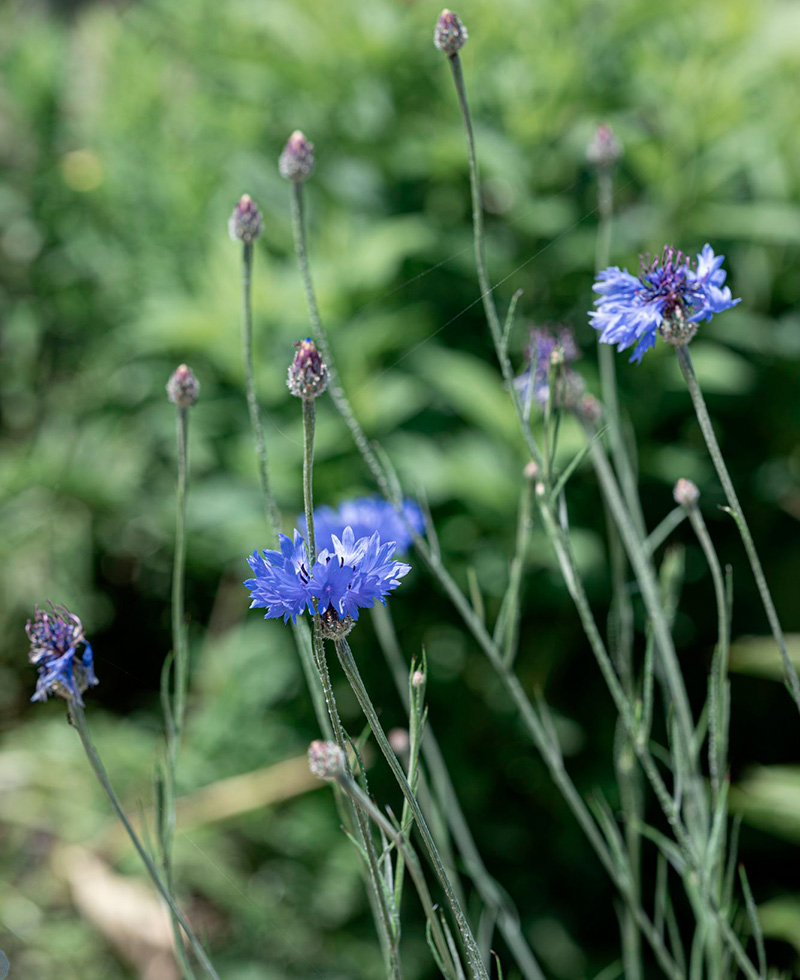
(605, 149)
(183, 387)
(449, 35)
(308, 375)
(297, 160)
(417, 678)
(531, 470)
(325, 759)
(399, 740)
(245, 224)
(686, 493)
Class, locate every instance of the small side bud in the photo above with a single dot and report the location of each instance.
(605, 149)
(449, 35)
(540, 490)
(308, 375)
(686, 493)
(297, 160)
(399, 740)
(417, 679)
(183, 387)
(325, 759)
(531, 471)
(245, 223)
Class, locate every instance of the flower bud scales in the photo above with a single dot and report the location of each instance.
(325, 759)
(245, 224)
(686, 493)
(308, 374)
(183, 387)
(449, 35)
(296, 162)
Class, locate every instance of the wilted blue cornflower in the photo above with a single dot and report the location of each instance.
(540, 353)
(365, 515)
(55, 637)
(669, 296)
(349, 576)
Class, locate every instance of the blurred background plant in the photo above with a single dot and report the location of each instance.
(127, 133)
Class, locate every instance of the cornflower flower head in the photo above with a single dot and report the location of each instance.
(365, 515)
(245, 223)
(296, 162)
(670, 296)
(308, 373)
(449, 35)
(545, 351)
(55, 639)
(343, 580)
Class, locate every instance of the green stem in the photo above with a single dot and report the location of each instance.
(507, 916)
(79, 720)
(335, 389)
(309, 417)
(365, 804)
(270, 507)
(487, 292)
(696, 394)
(354, 677)
(179, 644)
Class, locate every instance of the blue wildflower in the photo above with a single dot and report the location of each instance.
(534, 385)
(348, 577)
(669, 296)
(281, 582)
(365, 515)
(55, 638)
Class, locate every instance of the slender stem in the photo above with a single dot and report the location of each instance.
(174, 713)
(309, 416)
(696, 394)
(621, 617)
(357, 819)
(507, 916)
(179, 644)
(487, 292)
(335, 389)
(270, 507)
(360, 798)
(79, 719)
(354, 677)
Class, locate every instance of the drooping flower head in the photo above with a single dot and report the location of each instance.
(670, 296)
(547, 350)
(365, 515)
(348, 577)
(56, 637)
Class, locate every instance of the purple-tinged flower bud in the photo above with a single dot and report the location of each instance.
(531, 471)
(245, 223)
(325, 759)
(590, 408)
(297, 160)
(308, 375)
(449, 35)
(183, 387)
(605, 149)
(417, 679)
(399, 740)
(686, 493)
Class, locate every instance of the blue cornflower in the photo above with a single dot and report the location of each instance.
(348, 577)
(668, 296)
(365, 515)
(55, 637)
(533, 384)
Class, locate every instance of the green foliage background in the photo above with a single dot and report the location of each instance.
(127, 133)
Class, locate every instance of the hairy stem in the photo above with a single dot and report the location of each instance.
(696, 394)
